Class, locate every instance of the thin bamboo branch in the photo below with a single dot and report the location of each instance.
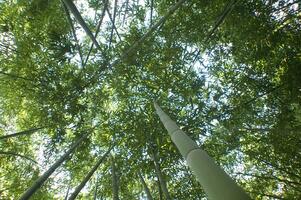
(96, 189)
(15, 76)
(70, 5)
(18, 155)
(227, 10)
(146, 189)
(113, 23)
(221, 19)
(67, 193)
(126, 11)
(89, 175)
(73, 32)
(151, 13)
(152, 29)
(97, 30)
(160, 177)
(29, 131)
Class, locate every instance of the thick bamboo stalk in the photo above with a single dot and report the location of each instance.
(216, 183)
(39, 182)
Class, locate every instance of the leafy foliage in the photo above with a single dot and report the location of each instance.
(227, 72)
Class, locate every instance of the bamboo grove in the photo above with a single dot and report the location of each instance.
(144, 99)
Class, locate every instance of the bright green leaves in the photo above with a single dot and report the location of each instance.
(239, 98)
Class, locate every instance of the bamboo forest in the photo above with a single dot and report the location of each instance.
(150, 99)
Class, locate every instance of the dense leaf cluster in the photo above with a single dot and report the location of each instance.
(227, 71)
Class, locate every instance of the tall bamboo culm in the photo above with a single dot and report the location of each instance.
(216, 183)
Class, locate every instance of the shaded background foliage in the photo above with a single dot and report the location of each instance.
(227, 72)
